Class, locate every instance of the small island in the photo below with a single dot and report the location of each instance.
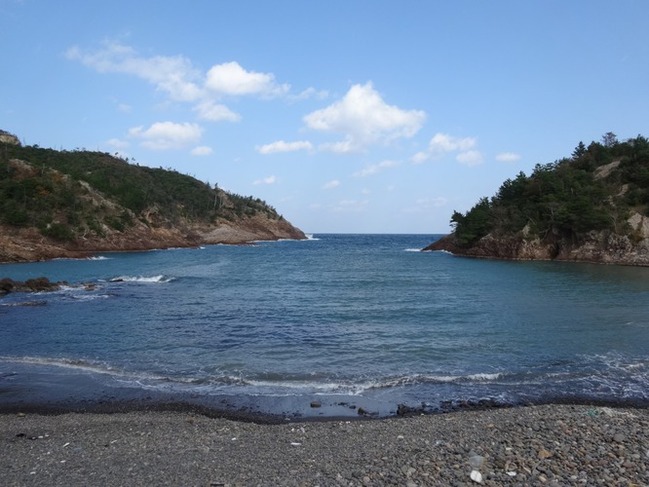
(73, 203)
(590, 207)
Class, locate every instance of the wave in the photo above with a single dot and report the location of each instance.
(78, 364)
(98, 257)
(412, 250)
(161, 278)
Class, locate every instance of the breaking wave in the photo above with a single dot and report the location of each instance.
(144, 279)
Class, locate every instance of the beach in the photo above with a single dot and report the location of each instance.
(537, 445)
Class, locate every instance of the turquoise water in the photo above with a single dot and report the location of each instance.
(347, 319)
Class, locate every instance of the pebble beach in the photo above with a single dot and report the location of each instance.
(556, 445)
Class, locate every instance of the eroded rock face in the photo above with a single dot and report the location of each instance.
(28, 245)
(7, 138)
(597, 247)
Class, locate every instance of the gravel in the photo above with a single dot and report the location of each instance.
(556, 445)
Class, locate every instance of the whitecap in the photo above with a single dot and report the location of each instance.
(144, 279)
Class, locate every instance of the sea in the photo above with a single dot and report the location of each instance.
(337, 325)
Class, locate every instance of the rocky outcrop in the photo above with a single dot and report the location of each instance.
(596, 247)
(39, 284)
(28, 244)
(7, 138)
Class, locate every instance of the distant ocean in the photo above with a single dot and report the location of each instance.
(324, 327)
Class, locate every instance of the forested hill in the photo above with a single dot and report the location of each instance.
(59, 203)
(591, 206)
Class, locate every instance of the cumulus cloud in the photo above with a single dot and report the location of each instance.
(508, 157)
(442, 144)
(469, 158)
(231, 79)
(282, 146)
(202, 150)
(173, 75)
(176, 77)
(334, 183)
(167, 135)
(267, 180)
(376, 168)
(215, 112)
(363, 118)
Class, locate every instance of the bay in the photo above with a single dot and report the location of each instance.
(348, 321)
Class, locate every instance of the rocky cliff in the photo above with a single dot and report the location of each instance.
(591, 207)
(603, 247)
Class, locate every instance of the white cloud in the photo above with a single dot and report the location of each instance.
(118, 144)
(231, 79)
(174, 75)
(182, 82)
(202, 150)
(469, 158)
(215, 112)
(334, 183)
(310, 93)
(167, 135)
(376, 168)
(508, 157)
(364, 118)
(442, 144)
(267, 180)
(420, 157)
(282, 146)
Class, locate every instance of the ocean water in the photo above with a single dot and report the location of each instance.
(348, 321)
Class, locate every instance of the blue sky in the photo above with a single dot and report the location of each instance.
(347, 116)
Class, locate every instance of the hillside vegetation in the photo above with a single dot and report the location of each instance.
(596, 196)
(79, 198)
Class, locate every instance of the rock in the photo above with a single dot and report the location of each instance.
(316, 404)
(38, 284)
(476, 476)
(543, 454)
(618, 438)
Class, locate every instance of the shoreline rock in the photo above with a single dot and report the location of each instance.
(28, 245)
(39, 284)
(594, 248)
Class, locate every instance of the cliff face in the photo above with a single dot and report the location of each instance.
(28, 244)
(602, 247)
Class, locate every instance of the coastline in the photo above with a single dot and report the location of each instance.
(536, 445)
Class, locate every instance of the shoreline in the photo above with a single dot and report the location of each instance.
(535, 445)
(275, 410)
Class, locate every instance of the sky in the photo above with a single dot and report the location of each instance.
(355, 116)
